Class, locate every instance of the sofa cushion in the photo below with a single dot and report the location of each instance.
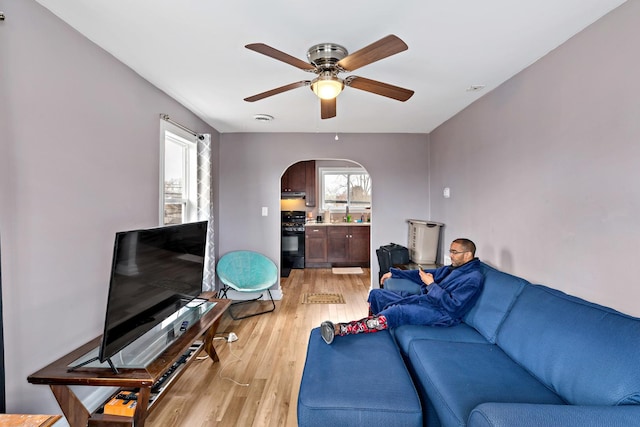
(499, 293)
(587, 353)
(359, 380)
(529, 415)
(459, 376)
(406, 334)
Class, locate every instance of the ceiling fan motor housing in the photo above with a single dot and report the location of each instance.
(326, 55)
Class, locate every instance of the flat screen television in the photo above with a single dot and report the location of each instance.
(154, 273)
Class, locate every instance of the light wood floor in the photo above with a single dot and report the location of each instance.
(268, 356)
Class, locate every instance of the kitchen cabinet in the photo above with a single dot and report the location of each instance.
(348, 245)
(315, 246)
(294, 178)
(359, 245)
(310, 182)
(301, 177)
(336, 245)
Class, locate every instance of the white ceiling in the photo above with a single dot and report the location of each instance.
(194, 51)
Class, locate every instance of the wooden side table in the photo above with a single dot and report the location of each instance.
(58, 376)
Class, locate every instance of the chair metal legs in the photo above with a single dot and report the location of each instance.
(273, 304)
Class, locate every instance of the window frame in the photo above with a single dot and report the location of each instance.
(337, 170)
(170, 133)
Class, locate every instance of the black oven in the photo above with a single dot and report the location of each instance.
(292, 241)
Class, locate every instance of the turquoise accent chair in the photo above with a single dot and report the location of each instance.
(247, 271)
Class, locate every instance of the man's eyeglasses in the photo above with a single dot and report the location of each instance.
(454, 252)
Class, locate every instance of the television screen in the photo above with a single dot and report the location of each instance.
(154, 273)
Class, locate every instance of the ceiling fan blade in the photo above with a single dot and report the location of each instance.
(327, 108)
(376, 51)
(379, 88)
(277, 90)
(280, 56)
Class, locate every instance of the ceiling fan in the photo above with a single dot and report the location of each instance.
(327, 60)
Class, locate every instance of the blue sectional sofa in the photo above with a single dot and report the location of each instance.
(526, 355)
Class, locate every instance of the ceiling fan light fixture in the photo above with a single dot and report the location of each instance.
(327, 86)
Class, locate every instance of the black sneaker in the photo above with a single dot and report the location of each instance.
(328, 332)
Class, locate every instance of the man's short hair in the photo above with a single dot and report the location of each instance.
(467, 245)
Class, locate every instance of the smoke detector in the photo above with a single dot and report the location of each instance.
(475, 88)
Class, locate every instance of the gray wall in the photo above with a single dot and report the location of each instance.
(79, 140)
(254, 163)
(544, 170)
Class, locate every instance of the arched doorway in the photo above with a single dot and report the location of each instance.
(340, 195)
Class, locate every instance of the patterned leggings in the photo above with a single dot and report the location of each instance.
(366, 325)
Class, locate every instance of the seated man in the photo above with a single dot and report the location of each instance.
(447, 294)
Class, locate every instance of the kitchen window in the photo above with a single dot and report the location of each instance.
(345, 187)
(178, 175)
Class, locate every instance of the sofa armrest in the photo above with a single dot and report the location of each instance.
(532, 415)
(397, 285)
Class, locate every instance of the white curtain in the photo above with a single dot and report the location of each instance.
(205, 209)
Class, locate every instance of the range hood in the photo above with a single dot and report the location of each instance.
(293, 195)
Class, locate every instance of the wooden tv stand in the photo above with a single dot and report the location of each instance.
(58, 376)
